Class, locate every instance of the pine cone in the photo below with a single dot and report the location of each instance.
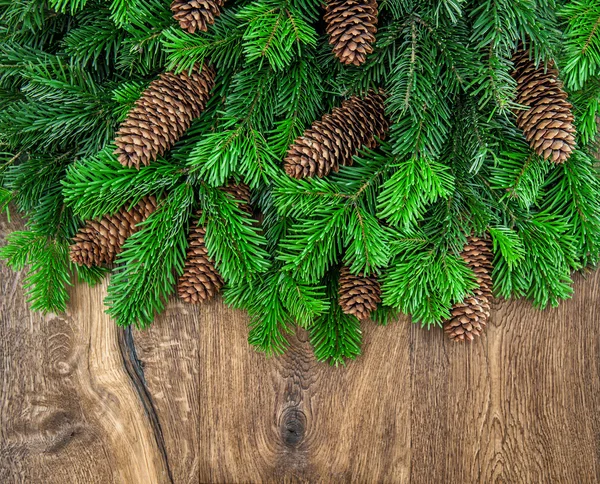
(337, 137)
(163, 113)
(359, 295)
(200, 280)
(351, 26)
(99, 241)
(241, 193)
(548, 123)
(469, 318)
(195, 15)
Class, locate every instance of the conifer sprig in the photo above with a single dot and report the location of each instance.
(453, 166)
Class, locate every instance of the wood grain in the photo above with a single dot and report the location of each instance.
(189, 401)
(69, 409)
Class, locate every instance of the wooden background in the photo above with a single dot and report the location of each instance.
(189, 401)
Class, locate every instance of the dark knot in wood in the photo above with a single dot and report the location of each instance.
(293, 426)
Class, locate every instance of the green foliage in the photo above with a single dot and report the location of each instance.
(235, 244)
(416, 183)
(334, 216)
(336, 336)
(424, 280)
(275, 302)
(151, 259)
(272, 31)
(100, 185)
(544, 273)
(48, 275)
(582, 45)
(453, 163)
(574, 190)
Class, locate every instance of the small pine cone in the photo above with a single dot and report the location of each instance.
(548, 123)
(241, 193)
(351, 26)
(99, 241)
(469, 317)
(359, 295)
(200, 280)
(195, 15)
(337, 137)
(162, 114)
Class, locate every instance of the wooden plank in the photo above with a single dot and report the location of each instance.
(521, 405)
(69, 409)
(189, 401)
(254, 419)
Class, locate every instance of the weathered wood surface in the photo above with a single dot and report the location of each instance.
(189, 401)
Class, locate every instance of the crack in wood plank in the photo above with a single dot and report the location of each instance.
(135, 371)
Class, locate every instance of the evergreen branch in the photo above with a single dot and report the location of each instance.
(48, 276)
(273, 31)
(582, 45)
(152, 258)
(424, 281)
(334, 335)
(233, 242)
(416, 182)
(100, 185)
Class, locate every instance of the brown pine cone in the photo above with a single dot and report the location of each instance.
(359, 295)
(200, 280)
(99, 241)
(548, 123)
(241, 193)
(337, 137)
(162, 114)
(469, 317)
(351, 26)
(195, 15)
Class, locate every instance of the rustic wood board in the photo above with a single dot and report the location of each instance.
(189, 401)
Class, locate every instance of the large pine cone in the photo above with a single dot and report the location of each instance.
(162, 114)
(195, 15)
(200, 280)
(337, 137)
(351, 26)
(469, 317)
(548, 123)
(99, 241)
(358, 295)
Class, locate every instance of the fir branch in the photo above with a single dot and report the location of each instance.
(273, 31)
(582, 44)
(48, 275)
(233, 242)
(335, 336)
(100, 185)
(152, 258)
(424, 281)
(417, 182)
(221, 44)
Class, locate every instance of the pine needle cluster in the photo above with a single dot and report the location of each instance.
(453, 163)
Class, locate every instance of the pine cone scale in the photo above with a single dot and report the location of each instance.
(201, 281)
(193, 15)
(100, 241)
(351, 26)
